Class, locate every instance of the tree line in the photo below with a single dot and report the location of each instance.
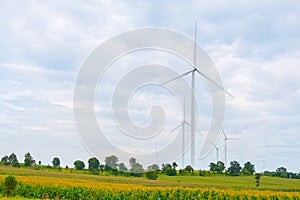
(111, 165)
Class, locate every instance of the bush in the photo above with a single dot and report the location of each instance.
(257, 179)
(10, 184)
(95, 171)
(204, 173)
(171, 172)
(151, 175)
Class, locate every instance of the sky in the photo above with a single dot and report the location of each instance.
(255, 46)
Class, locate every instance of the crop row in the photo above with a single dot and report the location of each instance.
(79, 192)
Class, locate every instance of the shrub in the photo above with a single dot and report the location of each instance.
(257, 179)
(171, 172)
(10, 184)
(151, 175)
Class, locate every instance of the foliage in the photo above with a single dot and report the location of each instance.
(122, 167)
(189, 169)
(12, 159)
(101, 167)
(154, 167)
(131, 192)
(169, 170)
(174, 165)
(204, 173)
(257, 179)
(4, 160)
(56, 162)
(78, 164)
(282, 172)
(111, 162)
(136, 168)
(94, 165)
(248, 168)
(10, 184)
(217, 167)
(28, 160)
(182, 172)
(151, 175)
(234, 168)
(164, 167)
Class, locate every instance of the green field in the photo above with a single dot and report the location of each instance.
(219, 181)
(74, 178)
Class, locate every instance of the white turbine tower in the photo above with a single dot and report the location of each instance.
(182, 125)
(192, 71)
(225, 140)
(217, 150)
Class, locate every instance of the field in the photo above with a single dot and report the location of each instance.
(66, 185)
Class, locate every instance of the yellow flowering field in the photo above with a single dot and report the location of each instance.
(60, 186)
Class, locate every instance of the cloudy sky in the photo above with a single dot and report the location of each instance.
(255, 46)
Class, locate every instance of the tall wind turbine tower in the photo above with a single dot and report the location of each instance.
(193, 122)
(192, 72)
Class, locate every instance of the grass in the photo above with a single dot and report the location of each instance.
(222, 182)
(14, 198)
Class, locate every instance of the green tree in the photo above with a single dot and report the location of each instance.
(111, 162)
(213, 167)
(12, 159)
(235, 168)
(154, 167)
(101, 167)
(151, 175)
(282, 172)
(219, 167)
(28, 160)
(4, 160)
(132, 162)
(174, 165)
(56, 162)
(122, 167)
(171, 172)
(189, 169)
(167, 168)
(79, 164)
(136, 168)
(248, 168)
(10, 184)
(94, 164)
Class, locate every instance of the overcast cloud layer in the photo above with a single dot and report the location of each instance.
(255, 45)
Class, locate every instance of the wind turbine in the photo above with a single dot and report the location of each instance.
(217, 150)
(182, 124)
(225, 140)
(215, 146)
(192, 72)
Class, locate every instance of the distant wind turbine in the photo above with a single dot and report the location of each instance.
(217, 150)
(214, 145)
(225, 140)
(182, 125)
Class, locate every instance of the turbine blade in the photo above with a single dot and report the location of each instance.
(184, 74)
(187, 123)
(225, 136)
(177, 127)
(199, 132)
(220, 87)
(233, 138)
